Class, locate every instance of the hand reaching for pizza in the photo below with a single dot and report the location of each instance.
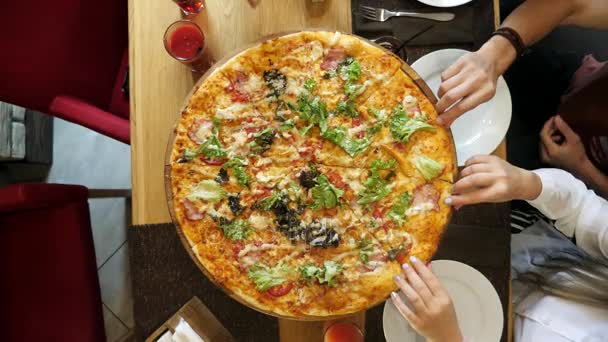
(466, 84)
(433, 314)
(560, 146)
(492, 179)
(471, 81)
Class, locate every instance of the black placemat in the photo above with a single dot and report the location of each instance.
(487, 249)
(469, 30)
(165, 278)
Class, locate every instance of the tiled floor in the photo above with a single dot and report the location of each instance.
(82, 156)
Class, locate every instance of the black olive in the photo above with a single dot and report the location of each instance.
(307, 179)
(222, 176)
(234, 202)
(276, 81)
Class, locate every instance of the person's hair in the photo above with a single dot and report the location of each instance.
(570, 274)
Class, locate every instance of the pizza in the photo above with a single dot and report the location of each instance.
(305, 170)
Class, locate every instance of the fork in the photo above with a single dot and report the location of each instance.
(381, 14)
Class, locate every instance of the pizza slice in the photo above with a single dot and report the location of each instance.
(352, 70)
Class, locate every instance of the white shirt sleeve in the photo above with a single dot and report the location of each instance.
(578, 211)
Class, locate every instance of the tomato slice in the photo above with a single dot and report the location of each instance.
(335, 179)
(400, 257)
(214, 161)
(280, 290)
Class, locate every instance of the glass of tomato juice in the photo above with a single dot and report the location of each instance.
(185, 41)
(341, 331)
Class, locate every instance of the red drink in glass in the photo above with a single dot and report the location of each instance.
(190, 6)
(185, 42)
(343, 332)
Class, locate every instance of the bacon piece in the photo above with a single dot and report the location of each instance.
(335, 179)
(200, 130)
(280, 290)
(236, 87)
(192, 212)
(426, 194)
(333, 58)
(380, 256)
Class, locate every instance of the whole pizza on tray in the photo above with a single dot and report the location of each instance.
(305, 169)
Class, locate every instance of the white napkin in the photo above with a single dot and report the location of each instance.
(167, 337)
(185, 333)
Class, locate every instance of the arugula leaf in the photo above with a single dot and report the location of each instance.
(188, 155)
(325, 194)
(208, 190)
(266, 277)
(325, 274)
(340, 137)
(235, 230)
(332, 270)
(268, 203)
(376, 187)
(262, 141)
(428, 167)
(352, 89)
(286, 126)
(397, 212)
(347, 108)
(313, 110)
(365, 249)
(310, 85)
(212, 148)
(237, 164)
(349, 69)
(304, 130)
(379, 114)
(310, 271)
(402, 126)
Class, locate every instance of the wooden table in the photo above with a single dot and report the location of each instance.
(159, 84)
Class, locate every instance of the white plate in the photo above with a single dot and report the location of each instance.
(444, 3)
(480, 130)
(475, 300)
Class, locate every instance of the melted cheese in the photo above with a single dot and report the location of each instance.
(203, 132)
(265, 246)
(259, 222)
(253, 84)
(341, 256)
(420, 208)
(230, 112)
(335, 38)
(293, 87)
(358, 129)
(409, 100)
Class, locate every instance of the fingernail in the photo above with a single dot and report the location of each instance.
(448, 201)
(397, 278)
(414, 259)
(405, 266)
(394, 295)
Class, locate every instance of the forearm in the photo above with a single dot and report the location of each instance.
(534, 19)
(594, 178)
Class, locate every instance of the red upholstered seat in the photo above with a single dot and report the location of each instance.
(67, 48)
(49, 290)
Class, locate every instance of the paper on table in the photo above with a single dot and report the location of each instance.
(184, 333)
(167, 337)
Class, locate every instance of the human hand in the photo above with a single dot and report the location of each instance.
(433, 316)
(492, 179)
(472, 79)
(560, 146)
